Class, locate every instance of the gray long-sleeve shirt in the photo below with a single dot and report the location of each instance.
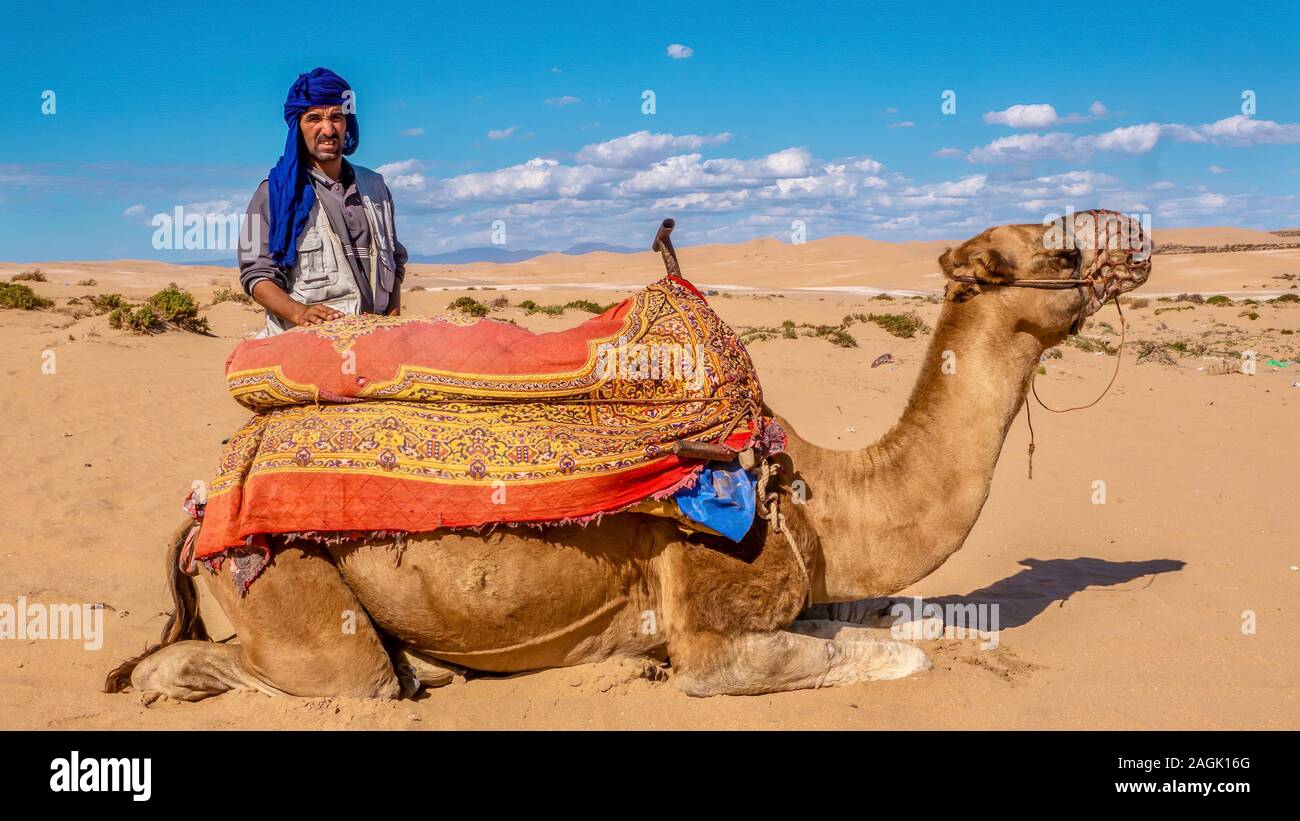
(341, 200)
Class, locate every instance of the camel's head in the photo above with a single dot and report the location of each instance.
(1055, 275)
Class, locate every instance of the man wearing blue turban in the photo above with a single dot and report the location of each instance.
(322, 239)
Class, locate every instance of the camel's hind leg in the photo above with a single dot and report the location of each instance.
(754, 663)
(194, 670)
(301, 632)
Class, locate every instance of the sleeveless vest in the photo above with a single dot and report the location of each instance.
(322, 275)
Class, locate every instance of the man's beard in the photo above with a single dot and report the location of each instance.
(322, 155)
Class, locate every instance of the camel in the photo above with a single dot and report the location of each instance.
(843, 526)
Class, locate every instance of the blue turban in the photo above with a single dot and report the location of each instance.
(289, 185)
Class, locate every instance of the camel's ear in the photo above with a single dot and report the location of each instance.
(945, 262)
(988, 265)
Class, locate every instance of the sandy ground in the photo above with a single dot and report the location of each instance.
(1122, 615)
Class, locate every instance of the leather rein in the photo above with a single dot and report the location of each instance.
(1057, 285)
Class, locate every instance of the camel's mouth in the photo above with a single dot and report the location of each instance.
(1114, 254)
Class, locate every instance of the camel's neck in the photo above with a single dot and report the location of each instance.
(891, 513)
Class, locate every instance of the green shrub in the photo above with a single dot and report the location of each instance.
(469, 305)
(141, 320)
(103, 303)
(905, 325)
(21, 297)
(87, 283)
(177, 307)
(1218, 299)
(1088, 345)
(759, 334)
(837, 336)
(230, 295)
(34, 275)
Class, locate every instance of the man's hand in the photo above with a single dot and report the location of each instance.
(314, 314)
(273, 298)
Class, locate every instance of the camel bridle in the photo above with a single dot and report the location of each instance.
(1100, 278)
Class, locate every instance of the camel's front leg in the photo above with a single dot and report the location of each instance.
(898, 615)
(755, 663)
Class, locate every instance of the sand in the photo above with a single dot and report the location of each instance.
(1122, 615)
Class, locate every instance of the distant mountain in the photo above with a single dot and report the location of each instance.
(495, 253)
(486, 253)
(589, 247)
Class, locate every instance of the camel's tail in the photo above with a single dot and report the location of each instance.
(182, 623)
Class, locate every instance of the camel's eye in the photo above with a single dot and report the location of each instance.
(1068, 259)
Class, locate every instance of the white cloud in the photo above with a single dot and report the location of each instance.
(1242, 130)
(691, 171)
(903, 124)
(1040, 115)
(501, 134)
(1217, 169)
(677, 51)
(538, 178)
(1023, 148)
(412, 132)
(1098, 109)
(949, 153)
(403, 176)
(1134, 139)
(716, 201)
(565, 100)
(643, 147)
(610, 191)
(134, 211)
(1238, 131)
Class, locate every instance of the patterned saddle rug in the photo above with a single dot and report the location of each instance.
(376, 425)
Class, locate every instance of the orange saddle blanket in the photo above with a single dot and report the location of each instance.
(372, 424)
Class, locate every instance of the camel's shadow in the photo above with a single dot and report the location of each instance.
(1019, 598)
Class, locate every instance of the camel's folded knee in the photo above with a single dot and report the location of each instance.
(775, 662)
(195, 670)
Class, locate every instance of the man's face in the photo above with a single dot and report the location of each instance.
(323, 129)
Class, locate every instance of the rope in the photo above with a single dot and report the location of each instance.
(1033, 386)
(767, 504)
(1119, 355)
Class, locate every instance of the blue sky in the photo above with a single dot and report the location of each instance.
(532, 114)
